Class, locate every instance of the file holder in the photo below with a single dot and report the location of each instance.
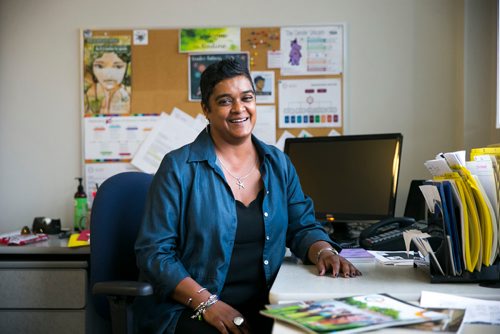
(442, 252)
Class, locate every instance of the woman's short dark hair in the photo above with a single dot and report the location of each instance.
(215, 73)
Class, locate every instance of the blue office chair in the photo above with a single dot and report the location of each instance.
(115, 219)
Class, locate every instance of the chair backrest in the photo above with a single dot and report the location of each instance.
(116, 215)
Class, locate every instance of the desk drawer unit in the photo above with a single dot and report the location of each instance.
(42, 297)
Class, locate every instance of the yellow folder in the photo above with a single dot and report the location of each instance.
(74, 242)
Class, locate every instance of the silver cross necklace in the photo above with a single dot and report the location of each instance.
(239, 179)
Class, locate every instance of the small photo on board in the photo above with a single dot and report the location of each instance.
(263, 82)
(199, 62)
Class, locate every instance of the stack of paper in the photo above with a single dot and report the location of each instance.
(357, 255)
(169, 133)
(464, 195)
(477, 311)
(397, 258)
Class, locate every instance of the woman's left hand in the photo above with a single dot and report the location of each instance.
(337, 265)
(326, 261)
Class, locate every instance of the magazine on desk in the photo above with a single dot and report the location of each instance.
(351, 314)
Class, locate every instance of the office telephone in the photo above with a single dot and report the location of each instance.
(388, 233)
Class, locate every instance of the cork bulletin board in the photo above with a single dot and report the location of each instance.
(160, 72)
(155, 78)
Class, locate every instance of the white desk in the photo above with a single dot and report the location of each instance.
(299, 282)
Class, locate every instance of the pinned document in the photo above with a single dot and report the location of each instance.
(170, 132)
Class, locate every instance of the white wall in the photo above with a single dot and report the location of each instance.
(480, 75)
(405, 74)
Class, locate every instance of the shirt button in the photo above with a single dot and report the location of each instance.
(266, 214)
(267, 237)
(266, 262)
(267, 192)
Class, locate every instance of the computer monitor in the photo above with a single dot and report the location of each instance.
(350, 178)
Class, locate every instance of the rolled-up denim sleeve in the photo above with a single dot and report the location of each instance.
(157, 239)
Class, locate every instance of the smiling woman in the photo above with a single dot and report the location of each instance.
(219, 216)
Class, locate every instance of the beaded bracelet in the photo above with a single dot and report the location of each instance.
(200, 309)
(329, 249)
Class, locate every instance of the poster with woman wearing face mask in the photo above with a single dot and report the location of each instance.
(107, 75)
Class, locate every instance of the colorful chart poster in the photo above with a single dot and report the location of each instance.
(310, 103)
(199, 62)
(209, 40)
(107, 75)
(312, 50)
(115, 138)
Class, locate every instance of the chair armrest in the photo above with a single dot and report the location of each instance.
(123, 288)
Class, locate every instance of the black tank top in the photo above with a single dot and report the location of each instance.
(245, 284)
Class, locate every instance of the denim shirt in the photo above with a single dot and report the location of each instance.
(190, 223)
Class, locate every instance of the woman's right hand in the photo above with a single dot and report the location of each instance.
(221, 315)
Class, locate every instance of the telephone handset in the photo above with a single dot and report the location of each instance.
(388, 233)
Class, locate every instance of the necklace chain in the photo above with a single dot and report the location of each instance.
(239, 179)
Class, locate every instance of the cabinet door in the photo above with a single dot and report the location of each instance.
(42, 321)
(43, 288)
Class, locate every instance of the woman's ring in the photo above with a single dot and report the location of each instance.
(238, 321)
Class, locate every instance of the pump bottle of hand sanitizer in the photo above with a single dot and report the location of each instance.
(80, 207)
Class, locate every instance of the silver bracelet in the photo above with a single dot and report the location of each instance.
(191, 299)
(200, 309)
(326, 249)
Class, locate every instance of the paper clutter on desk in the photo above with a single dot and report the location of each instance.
(357, 255)
(74, 241)
(84, 235)
(397, 258)
(419, 238)
(18, 239)
(463, 201)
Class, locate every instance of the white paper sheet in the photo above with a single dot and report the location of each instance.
(265, 127)
(310, 103)
(437, 167)
(169, 133)
(274, 59)
(477, 311)
(333, 133)
(312, 50)
(431, 196)
(115, 138)
(97, 173)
